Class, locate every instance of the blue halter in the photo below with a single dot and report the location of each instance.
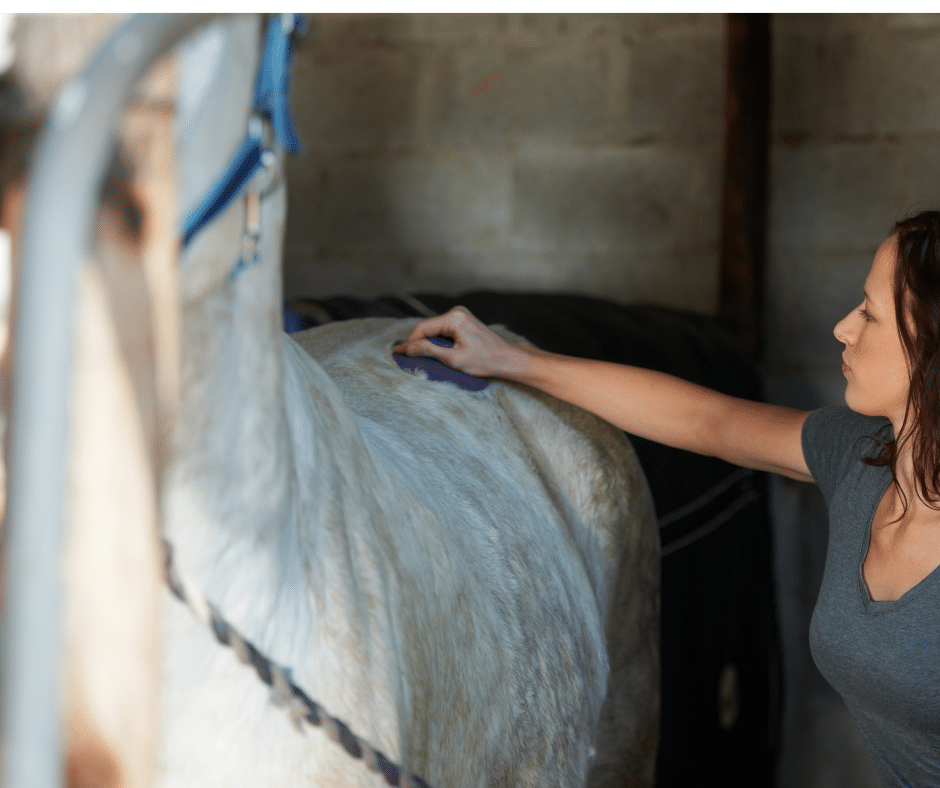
(271, 104)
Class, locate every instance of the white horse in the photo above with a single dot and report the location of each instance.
(469, 581)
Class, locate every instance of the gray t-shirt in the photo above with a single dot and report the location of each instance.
(882, 657)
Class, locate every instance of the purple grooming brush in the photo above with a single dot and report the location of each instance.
(435, 370)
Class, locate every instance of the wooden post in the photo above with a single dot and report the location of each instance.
(744, 199)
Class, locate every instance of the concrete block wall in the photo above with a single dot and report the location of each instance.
(543, 152)
(583, 153)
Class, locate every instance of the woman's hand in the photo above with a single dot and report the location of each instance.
(476, 351)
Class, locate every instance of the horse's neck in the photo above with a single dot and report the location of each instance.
(229, 477)
(226, 476)
(264, 445)
(272, 474)
(264, 441)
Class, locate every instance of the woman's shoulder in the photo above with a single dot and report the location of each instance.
(834, 442)
(838, 422)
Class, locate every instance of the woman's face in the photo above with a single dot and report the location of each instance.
(873, 361)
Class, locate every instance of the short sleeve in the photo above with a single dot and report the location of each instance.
(831, 443)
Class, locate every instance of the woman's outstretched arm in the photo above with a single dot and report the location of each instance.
(649, 404)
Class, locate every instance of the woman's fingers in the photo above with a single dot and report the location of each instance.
(449, 325)
(475, 346)
(433, 326)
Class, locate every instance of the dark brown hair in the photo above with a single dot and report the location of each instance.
(917, 309)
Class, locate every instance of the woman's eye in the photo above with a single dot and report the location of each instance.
(865, 316)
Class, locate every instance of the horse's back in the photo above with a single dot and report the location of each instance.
(548, 521)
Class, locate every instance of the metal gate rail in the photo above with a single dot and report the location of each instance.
(61, 203)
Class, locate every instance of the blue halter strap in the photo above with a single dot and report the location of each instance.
(271, 104)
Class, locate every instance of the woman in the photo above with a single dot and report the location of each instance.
(875, 632)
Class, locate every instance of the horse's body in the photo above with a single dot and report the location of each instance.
(469, 581)
(440, 580)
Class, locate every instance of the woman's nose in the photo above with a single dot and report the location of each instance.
(841, 331)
